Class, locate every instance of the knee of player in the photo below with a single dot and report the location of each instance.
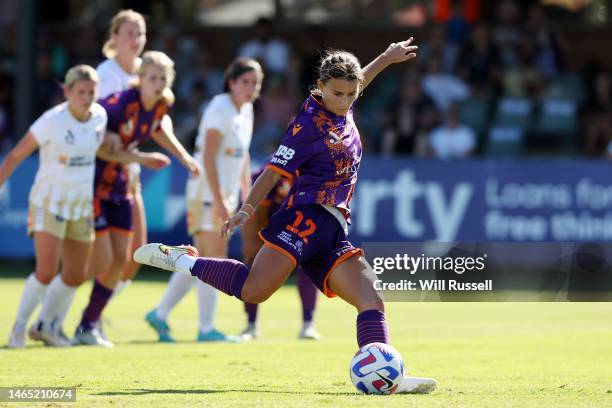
(73, 280)
(120, 259)
(254, 295)
(44, 277)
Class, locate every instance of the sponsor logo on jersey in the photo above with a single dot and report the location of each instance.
(234, 152)
(69, 138)
(283, 155)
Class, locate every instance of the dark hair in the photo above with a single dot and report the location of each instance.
(238, 67)
(339, 64)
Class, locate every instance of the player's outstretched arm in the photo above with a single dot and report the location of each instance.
(168, 141)
(111, 150)
(24, 148)
(395, 53)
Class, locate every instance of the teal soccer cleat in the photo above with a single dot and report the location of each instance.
(216, 335)
(160, 327)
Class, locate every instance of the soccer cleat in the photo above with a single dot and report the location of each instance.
(63, 336)
(162, 256)
(416, 385)
(216, 335)
(17, 338)
(309, 333)
(250, 333)
(90, 337)
(160, 327)
(40, 332)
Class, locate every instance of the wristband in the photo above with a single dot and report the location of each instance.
(245, 213)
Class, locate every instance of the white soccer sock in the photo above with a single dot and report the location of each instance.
(178, 286)
(207, 303)
(121, 286)
(184, 263)
(57, 301)
(33, 292)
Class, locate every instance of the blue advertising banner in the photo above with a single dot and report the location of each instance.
(402, 199)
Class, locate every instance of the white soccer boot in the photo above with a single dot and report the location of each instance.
(17, 338)
(308, 332)
(40, 331)
(162, 256)
(416, 385)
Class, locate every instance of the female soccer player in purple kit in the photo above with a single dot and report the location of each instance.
(252, 243)
(322, 152)
(135, 115)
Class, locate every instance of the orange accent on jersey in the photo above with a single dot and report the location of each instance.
(296, 128)
(127, 128)
(160, 111)
(96, 206)
(322, 121)
(326, 290)
(290, 201)
(280, 171)
(143, 128)
(63, 159)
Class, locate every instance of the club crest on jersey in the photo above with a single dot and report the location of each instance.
(69, 138)
(334, 137)
(296, 128)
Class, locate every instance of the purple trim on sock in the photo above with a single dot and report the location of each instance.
(308, 294)
(227, 275)
(372, 328)
(98, 299)
(251, 311)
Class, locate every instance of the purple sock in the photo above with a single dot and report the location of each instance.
(372, 328)
(308, 294)
(251, 311)
(97, 301)
(226, 275)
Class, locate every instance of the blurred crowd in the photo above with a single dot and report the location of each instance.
(495, 88)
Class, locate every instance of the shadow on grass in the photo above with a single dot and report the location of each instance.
(146, 391)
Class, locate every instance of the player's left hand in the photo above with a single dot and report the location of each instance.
(192, 166)
(401, 51)
(235, 221)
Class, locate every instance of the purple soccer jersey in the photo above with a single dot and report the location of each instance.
(324, 151)
(134, 124)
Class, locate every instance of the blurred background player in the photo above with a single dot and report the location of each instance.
(251, 244)
(61, 210)
(135, 115)
(127, 38)
(322, 151)
(222, 148)
(126, 41)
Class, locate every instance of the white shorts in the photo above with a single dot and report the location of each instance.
(201, 218)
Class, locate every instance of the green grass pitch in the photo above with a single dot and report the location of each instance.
(483, 355)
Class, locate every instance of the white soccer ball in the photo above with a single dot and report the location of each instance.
(377, 368)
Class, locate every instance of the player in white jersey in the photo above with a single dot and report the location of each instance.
(127, 38)
(222, 148)
(61, 209)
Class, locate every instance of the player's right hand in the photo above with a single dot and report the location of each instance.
(155, 161)
(236, 220)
